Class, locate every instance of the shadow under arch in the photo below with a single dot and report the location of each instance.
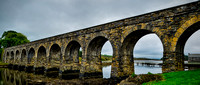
(41, 57)
(17, 57)
(23, 56)
(12, 57)
(127, 50)
(182, 41)
(41, 60)
(72, 52)
(31, 54)
(185, 36)
(71, 65)
(55, 56)
(30, 60)
(7, 57)
(93, 56)
(54, 63)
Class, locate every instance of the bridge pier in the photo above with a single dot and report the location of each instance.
(68, 71)
(52, 72)
(15, 67)
(29, 69)
(173, 61)
(88, 71)
(93, 71)
(39, 70)
(69, 74)
(22, 68)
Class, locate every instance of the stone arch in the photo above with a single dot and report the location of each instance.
(93, 53)
(41, 56)
(7, 57)
(23, 56)
(130, 41)
(127, 48)
(17, 56)
(184, 32)
(182, 41)
(94, 48)
(175, 52)
(72, 51)
(31, 55)
(55, 55)
(12, 56)
(185, 26)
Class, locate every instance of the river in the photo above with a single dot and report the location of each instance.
(22, 77)
(139, 69)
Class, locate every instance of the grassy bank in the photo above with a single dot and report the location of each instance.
(106, 57)
(179, 78)
(1, 63)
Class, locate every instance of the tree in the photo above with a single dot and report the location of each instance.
(12, 38)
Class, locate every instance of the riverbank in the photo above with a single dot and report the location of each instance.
(173, 78)
(3, 65)
(179, 78)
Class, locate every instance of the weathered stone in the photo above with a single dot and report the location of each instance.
(173, 26)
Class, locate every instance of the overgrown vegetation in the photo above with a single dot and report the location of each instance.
(149, 73)
(1, 53)
(133, 74)
(1, 63)
(11, 38)
(179, 78)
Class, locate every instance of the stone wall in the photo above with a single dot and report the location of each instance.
(173, 26)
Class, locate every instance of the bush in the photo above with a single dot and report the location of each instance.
(149, 73)
(133, 74)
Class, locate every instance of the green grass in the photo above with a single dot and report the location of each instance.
(179, 78)
(1, 63)
(106, 58)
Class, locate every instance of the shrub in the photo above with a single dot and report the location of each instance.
(133, 74)
(149, 73)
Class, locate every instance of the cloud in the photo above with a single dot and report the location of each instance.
(44, 18)
(193, 43)
(149, 46)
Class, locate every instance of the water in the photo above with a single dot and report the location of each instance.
(106, 71)
(20, 77)
(139, 69)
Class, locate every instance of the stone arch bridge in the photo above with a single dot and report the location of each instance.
(173, 26)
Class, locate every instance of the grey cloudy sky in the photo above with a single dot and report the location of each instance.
(39, 19)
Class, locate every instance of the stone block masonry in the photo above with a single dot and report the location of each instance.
(173, 26)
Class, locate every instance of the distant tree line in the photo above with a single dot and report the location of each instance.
(185, 57)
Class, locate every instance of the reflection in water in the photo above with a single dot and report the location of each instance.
(106, 71)
(15, 77)
(146, 69)
(139, 69)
